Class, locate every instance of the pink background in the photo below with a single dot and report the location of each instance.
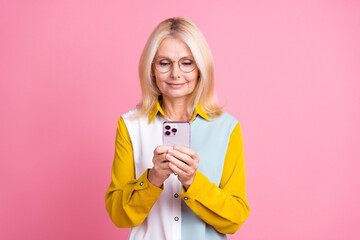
(288, 70)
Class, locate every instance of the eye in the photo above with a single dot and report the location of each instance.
(187, 62)
(164, 62)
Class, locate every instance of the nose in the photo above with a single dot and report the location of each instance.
(175, 71)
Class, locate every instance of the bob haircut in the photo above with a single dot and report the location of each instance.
(204, 92)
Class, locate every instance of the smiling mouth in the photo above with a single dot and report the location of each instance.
(176, 85)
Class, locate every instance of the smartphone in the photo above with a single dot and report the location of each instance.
(176, 133)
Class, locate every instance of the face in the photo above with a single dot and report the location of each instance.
(175, 84)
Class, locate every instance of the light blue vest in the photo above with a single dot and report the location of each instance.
(210, 140)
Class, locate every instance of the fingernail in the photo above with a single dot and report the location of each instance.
(176, 147)
(170, 151)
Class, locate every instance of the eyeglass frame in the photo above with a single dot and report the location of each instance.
(172, 64)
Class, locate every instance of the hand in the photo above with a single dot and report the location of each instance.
(160, 170)
(184, 162)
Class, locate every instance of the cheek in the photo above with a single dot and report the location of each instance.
(193, 79)
(160, 79)
(160, 82)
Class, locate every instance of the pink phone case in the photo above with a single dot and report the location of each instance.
(176, 133)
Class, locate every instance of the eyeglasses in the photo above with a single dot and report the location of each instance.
(164, 65)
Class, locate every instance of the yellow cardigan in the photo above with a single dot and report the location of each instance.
(225, 207)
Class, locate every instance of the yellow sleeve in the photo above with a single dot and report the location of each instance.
(128, 200)
(225, 206)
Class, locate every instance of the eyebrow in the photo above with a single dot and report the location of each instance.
(188, 56)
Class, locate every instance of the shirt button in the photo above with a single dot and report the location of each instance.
(176, 195)
(142, 184)
(176, 219)
(186, 198)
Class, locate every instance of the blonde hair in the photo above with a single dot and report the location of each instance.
(204, 92)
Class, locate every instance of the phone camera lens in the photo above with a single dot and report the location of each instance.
(174, 130)
(167, 127)
(167, 133)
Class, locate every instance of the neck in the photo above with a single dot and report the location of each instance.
(176, 110)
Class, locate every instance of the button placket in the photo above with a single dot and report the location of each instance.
(176, 207)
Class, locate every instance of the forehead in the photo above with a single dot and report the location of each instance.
(173, 48)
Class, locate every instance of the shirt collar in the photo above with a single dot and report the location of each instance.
(157, 109)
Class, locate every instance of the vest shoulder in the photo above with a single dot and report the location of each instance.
(225, 122)
(226, 117)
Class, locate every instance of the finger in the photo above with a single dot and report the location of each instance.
(164, 165)
(161, 158)
(181, 156)
(178, 163)
(161, 149)
(187, 151)
(157, 159)
(176, 170)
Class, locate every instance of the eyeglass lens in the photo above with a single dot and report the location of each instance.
(185, 64)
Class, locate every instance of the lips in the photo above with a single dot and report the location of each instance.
(176, 85)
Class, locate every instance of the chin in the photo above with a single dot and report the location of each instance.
(176, 95)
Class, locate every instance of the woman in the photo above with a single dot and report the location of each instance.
(178, 193)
